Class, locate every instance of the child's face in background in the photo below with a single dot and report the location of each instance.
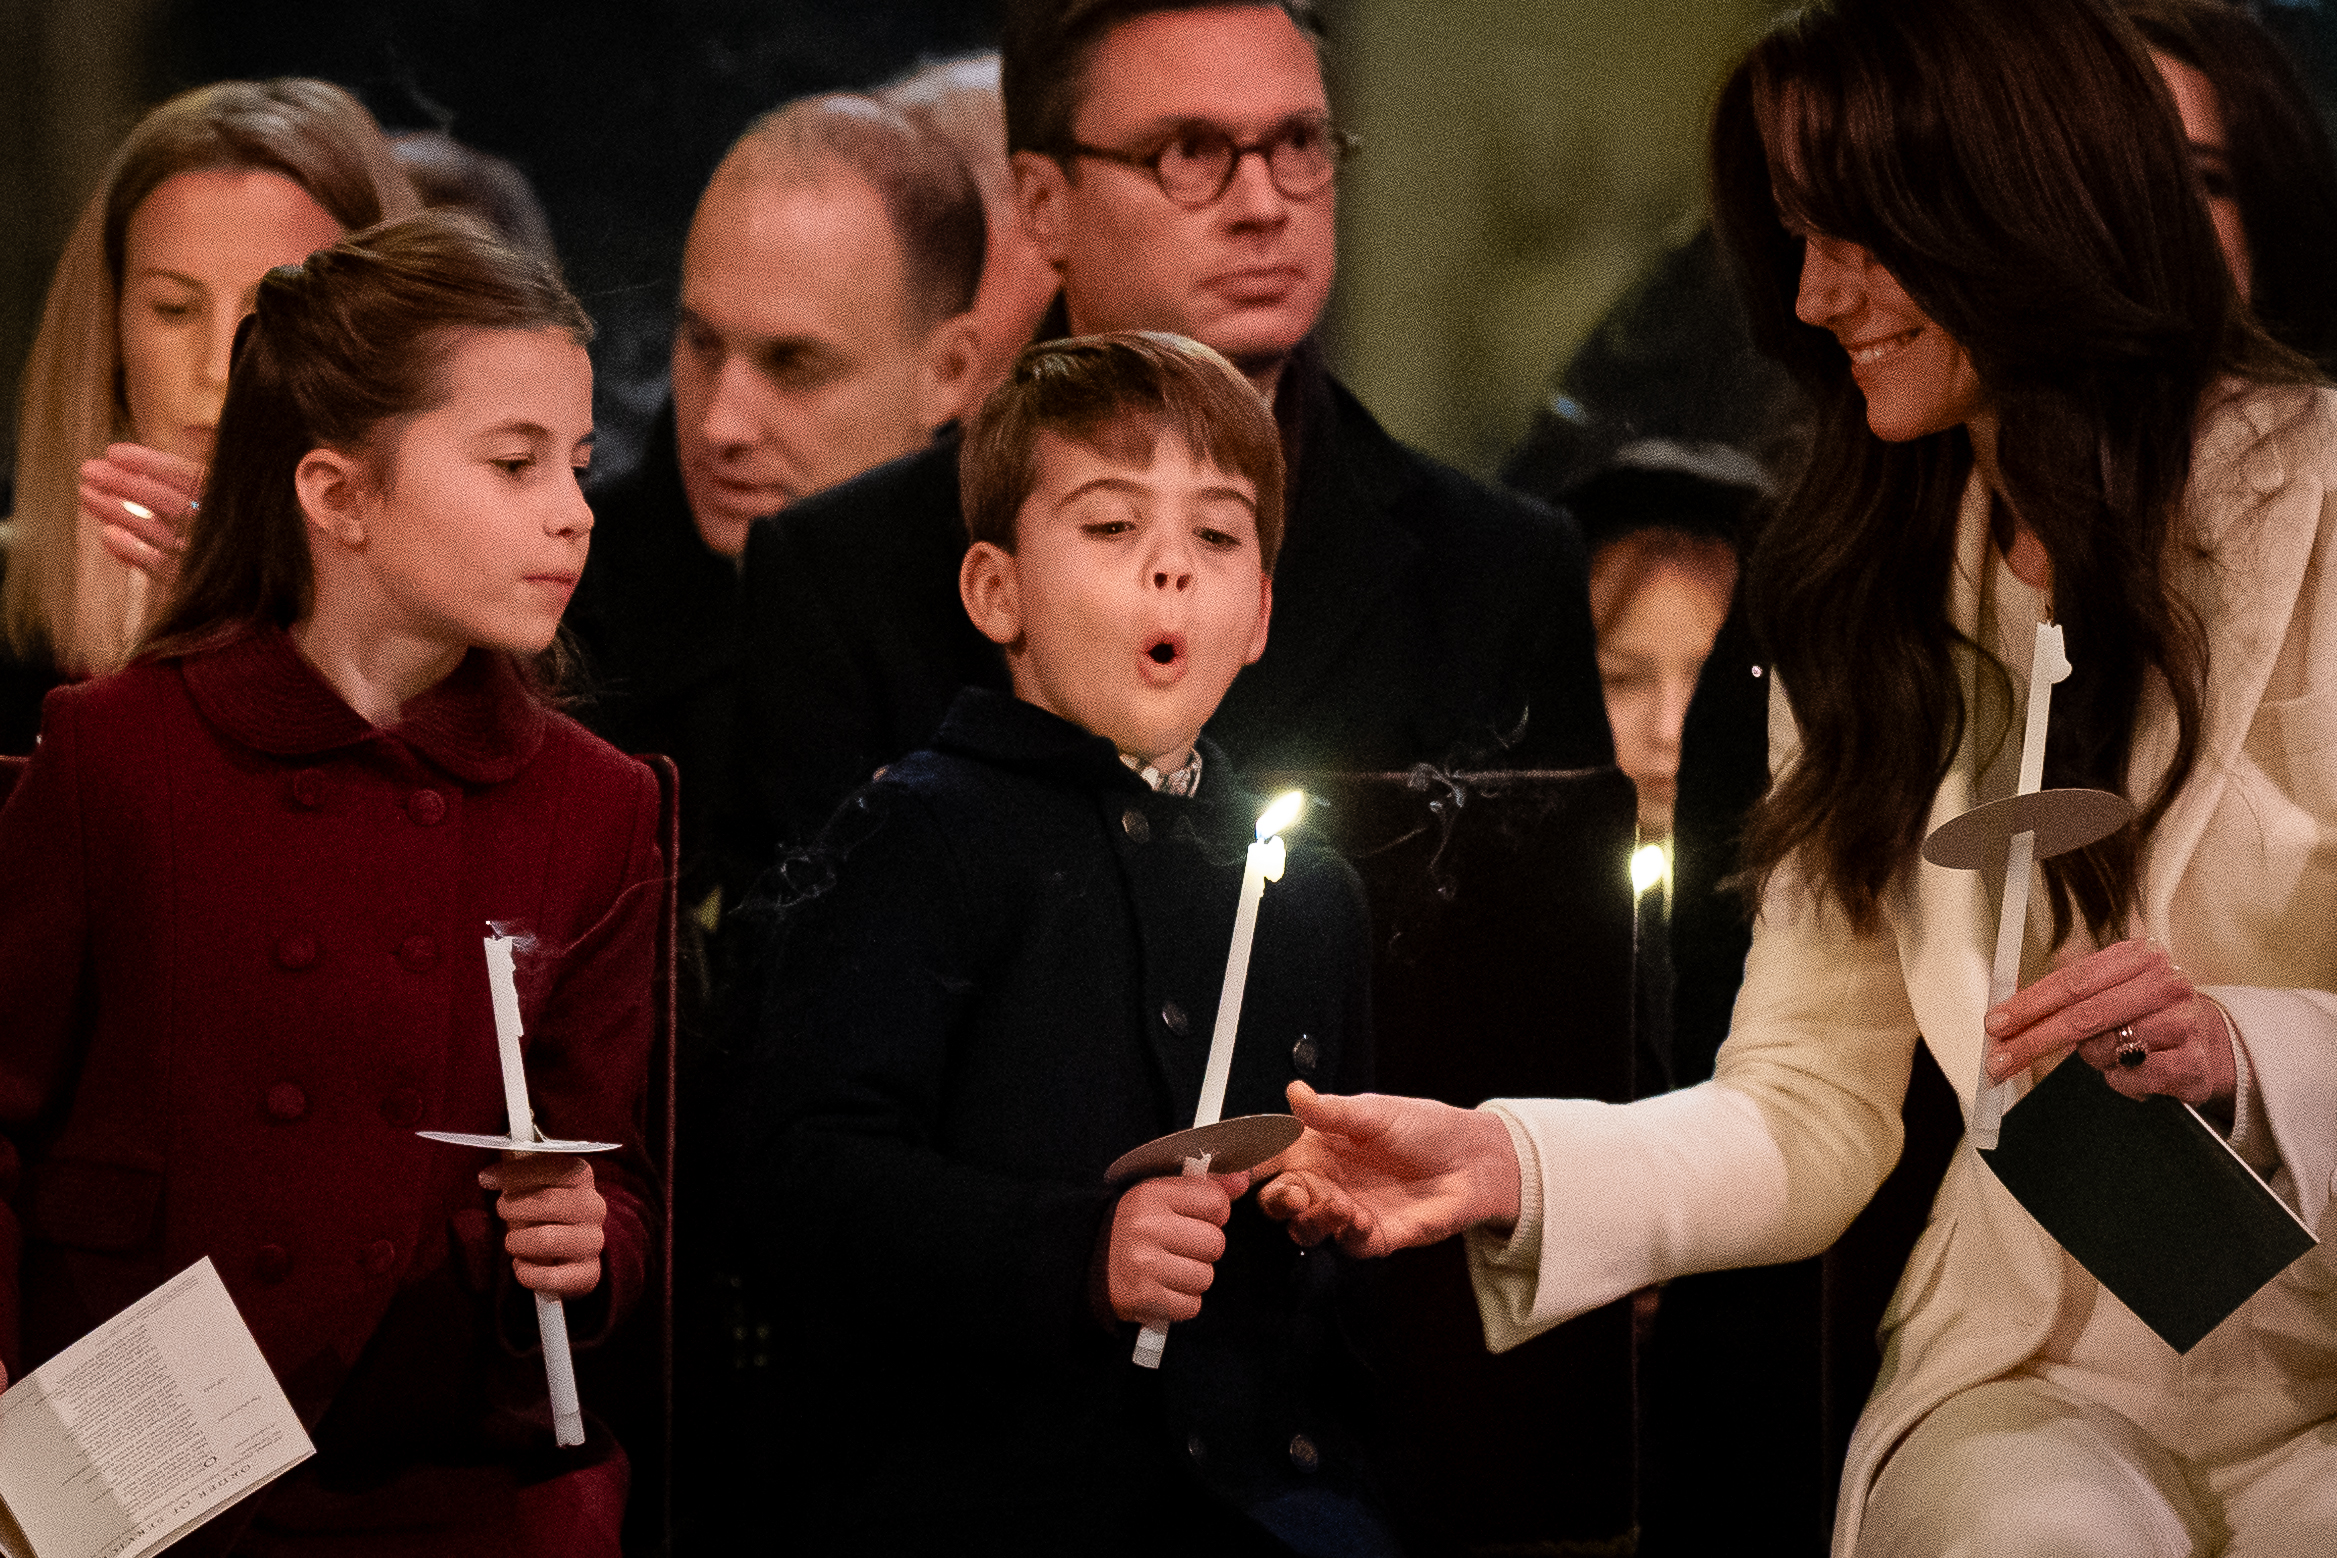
(1135, 591)
(478, 530)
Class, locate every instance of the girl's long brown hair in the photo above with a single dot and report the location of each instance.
(2017, 166)
(337, 347)
(65, 595)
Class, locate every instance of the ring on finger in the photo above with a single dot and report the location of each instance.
(2132, 1052)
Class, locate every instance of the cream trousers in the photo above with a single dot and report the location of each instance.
(2020, 1468)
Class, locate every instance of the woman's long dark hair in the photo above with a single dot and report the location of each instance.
(2016, 165)
(2283, 169)
(335, 348)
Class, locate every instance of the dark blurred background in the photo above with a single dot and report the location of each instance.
(616, 111)
(1522, 162)
(1524, 159)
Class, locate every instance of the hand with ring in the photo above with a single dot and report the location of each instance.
(142, 500)
(2130, 1013)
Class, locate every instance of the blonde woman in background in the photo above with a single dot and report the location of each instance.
(210, 190)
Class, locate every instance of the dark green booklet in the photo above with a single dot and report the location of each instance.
(2148, 1198)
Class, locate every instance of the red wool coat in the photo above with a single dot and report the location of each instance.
(240, 964)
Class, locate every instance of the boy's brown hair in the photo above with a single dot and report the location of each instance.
(1090, 388)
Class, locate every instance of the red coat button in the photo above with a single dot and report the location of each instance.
(271, 1263)
(286, 1102)
(378, 1257)
(295, 952)
(426, 807)
(402, 1108)
(419, 954)
(308, 789)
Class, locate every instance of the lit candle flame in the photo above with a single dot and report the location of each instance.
(1281, 814)
(1649, 866)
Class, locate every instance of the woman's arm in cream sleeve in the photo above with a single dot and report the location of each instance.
(2288, 1118)
(1769, 1161)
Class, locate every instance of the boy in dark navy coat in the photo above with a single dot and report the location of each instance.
(1003, 973)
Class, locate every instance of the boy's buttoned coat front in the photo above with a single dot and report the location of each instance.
(1002, 971)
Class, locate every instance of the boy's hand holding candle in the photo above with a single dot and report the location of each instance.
(1167, 1234)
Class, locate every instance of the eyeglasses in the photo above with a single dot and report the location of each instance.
(1196, 164)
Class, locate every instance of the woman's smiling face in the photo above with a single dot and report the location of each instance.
(1915, 376)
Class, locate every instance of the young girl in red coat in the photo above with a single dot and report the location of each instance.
(242, 889)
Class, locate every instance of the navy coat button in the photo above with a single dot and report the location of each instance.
(419, 954)
(1195, 1448)
(426, 807)
(286, 1102)
(308, 789)
(1172, 1017)
(1303, 1453)
(379, 1257)
(271, 1263)
(1136, 825)
(1303, 1055)
(295, 952)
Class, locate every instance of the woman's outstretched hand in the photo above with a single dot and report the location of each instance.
(1380, 1173)
(142, 500)
(2130, 984)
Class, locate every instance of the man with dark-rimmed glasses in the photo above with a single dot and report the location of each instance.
(1179, 165)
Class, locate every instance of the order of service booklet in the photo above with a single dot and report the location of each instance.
(143, 1429)
(2148, 1198)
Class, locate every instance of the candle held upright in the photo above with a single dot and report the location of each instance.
(1264, 864)
(2048, 664)
(551, 1317)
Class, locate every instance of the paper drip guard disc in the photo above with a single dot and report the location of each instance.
(511, 1144)
(2062, 820)
(1234, 1146)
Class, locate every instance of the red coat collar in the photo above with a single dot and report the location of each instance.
(481, 724)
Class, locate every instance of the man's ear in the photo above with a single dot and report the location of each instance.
(992, 589)
(953, 355)
(1042, 193)
(1265, 611)
(331, 487)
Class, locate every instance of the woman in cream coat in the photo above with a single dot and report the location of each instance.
(1965, 227)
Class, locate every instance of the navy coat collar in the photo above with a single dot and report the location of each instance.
(482, 724)
(999, 728)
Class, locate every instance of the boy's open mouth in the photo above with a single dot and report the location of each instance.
(1163, 661)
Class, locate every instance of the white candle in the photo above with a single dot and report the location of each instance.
(503, 991)
(551, 1318)
(1266, 860)
(2048, 663)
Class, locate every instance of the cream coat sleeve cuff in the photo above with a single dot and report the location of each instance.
(1504, 1267)
(1613, 1197)
(2291, 1039)
(2250, 1139)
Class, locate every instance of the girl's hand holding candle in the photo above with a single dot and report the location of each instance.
(548, 1202)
